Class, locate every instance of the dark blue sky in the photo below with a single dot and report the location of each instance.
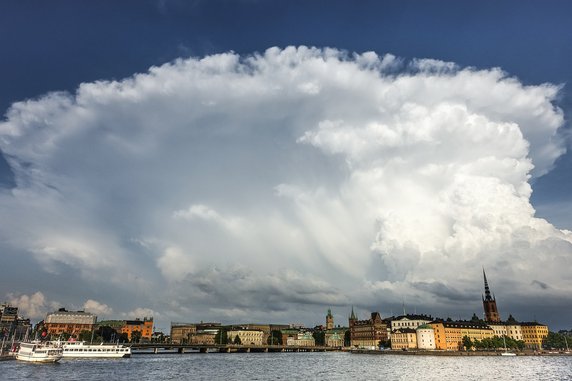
(57, 46)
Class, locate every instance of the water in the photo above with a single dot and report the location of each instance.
(295, 366)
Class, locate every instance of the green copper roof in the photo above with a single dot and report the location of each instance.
(424, 326)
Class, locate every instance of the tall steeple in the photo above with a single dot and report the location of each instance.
(352, 318)
(487, 295)
(329, 320)
(489, 303)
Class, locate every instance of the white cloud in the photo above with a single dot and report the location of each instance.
(95, 307)
(357, 171)
(34, 306)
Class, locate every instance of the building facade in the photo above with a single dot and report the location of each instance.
(533, 334)
(69, 322)
(425, 337)
(367, 333)
(145, 327)
(409, 321)
(246, 336)
(403, 339)
(449, 334)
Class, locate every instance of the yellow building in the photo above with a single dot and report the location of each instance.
(533, 333)
(246, 336)
(404, 339)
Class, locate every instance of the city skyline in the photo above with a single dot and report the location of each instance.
(249, 160)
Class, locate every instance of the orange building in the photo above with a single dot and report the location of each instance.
(71, 322)
(449, 334)
(144, 326)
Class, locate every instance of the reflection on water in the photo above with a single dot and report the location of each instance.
(295, 366)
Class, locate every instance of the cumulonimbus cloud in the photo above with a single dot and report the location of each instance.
(364, 173)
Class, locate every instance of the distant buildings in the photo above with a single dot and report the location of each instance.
(11, 325)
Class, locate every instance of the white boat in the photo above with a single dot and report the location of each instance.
(79, 349)
(37, 351)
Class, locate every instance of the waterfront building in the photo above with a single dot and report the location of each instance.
(301, 339)
(367, 333)
(449, 334)
(510, 329)
(335, 337)
(490, 304)
(409, 321)
(403, 339)
(533, 334)
(71, 322)
(145, 327)
(203, 338)
(180, 332)
(425, 337)
(8, 320)
(246, 336)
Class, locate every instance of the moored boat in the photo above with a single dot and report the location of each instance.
(40, 352)
(79, 349)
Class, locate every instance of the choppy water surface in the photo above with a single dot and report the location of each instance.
(294, 366)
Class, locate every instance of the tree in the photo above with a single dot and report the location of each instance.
(275, 338)
(554, 341)
(135, 336)
(84, 336)
(319, 337)
(347, 339)
(107, 333)
(221, 337)
(467, 343)
(237, 340)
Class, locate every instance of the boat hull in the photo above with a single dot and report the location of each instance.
(38, 359)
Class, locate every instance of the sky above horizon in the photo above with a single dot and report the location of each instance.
(263, 161)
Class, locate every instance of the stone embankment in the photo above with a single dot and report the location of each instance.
(456, 353)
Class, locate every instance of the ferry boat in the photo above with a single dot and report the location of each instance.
(42, 352)
(79, 349)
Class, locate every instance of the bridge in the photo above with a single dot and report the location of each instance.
(162, 348)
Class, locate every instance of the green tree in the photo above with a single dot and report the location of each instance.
(135, 336)
(347, 339)
(275, 338)
(237, 340)
(221, 337)
(107, 333)
(319, 337)
(467, 343)
(84, 336)
(554, 341)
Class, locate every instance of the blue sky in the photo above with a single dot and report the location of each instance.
(58, 46)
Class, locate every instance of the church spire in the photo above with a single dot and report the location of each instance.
(487, 295)
(489, 303)
(353, 315)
